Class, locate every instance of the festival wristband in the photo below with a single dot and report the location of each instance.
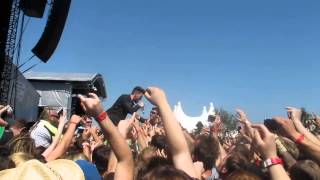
(73, 123)
(102, 116)
(272, 161)
(299, 139)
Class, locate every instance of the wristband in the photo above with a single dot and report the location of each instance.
(299, 139)
(85, 144)
(272, 161)
(102, 116)
(281, 148)
(73, 123)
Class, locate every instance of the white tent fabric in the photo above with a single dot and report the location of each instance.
(189, 122)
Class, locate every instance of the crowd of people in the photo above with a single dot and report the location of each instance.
(158, 147)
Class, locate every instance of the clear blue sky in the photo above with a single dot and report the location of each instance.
(257, 55)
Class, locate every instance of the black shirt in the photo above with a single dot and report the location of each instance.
(121, 108)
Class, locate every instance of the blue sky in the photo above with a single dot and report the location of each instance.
(257, 55)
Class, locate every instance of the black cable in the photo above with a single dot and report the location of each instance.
(24, 29)
(31, 67)
(26, 61)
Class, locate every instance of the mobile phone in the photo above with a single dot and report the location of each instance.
(76, 106)
(60, 112)
(272, 125)
(80, 130)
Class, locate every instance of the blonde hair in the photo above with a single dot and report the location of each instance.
(22, 143)
(20, 157)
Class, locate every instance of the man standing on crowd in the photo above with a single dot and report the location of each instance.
(126, 104)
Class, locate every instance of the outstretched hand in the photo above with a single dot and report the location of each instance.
(155, 95)
(126, 125)
(91, 104)
(294, 113)
(287, 127)
(241, 116)
(265, 141)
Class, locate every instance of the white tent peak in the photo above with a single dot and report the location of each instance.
(189, 122)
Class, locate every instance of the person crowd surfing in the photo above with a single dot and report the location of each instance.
(158, 148)
(126, 104)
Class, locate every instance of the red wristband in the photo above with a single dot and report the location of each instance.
(102, 116)
(272, 161)
(73, 123)
(299, 139)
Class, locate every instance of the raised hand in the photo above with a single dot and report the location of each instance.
(93, 130)
(155, 95)
(125, 126)
(265, 141)
(2, 110)
(294, 113)
(241, 116)
(91, 104)
(63, 117)
(287, 127)
(86, 134)
(75, 119)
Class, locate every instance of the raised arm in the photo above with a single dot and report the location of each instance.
(177, 142)
(295, 115)
(94, 108)
(305, 144)
(265, 142)
(141, 138)
(66, 140)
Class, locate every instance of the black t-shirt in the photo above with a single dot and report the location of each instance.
(121, 108)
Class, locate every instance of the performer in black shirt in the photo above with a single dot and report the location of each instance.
(126, 104)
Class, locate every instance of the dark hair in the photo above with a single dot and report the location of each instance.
(166, 173)
(207, 151)
(306, 169)
(159, 142)
(242, 175)
(145, 168)
(5, 161)
(20, 123)
(100, 157)
(238, 161)
(155, 109)
(138, 89)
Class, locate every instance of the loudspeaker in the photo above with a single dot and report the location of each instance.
(33, 8)
(53, 30)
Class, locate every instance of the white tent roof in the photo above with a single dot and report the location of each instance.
(189, 122)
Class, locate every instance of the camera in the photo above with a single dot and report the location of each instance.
(75, 100)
